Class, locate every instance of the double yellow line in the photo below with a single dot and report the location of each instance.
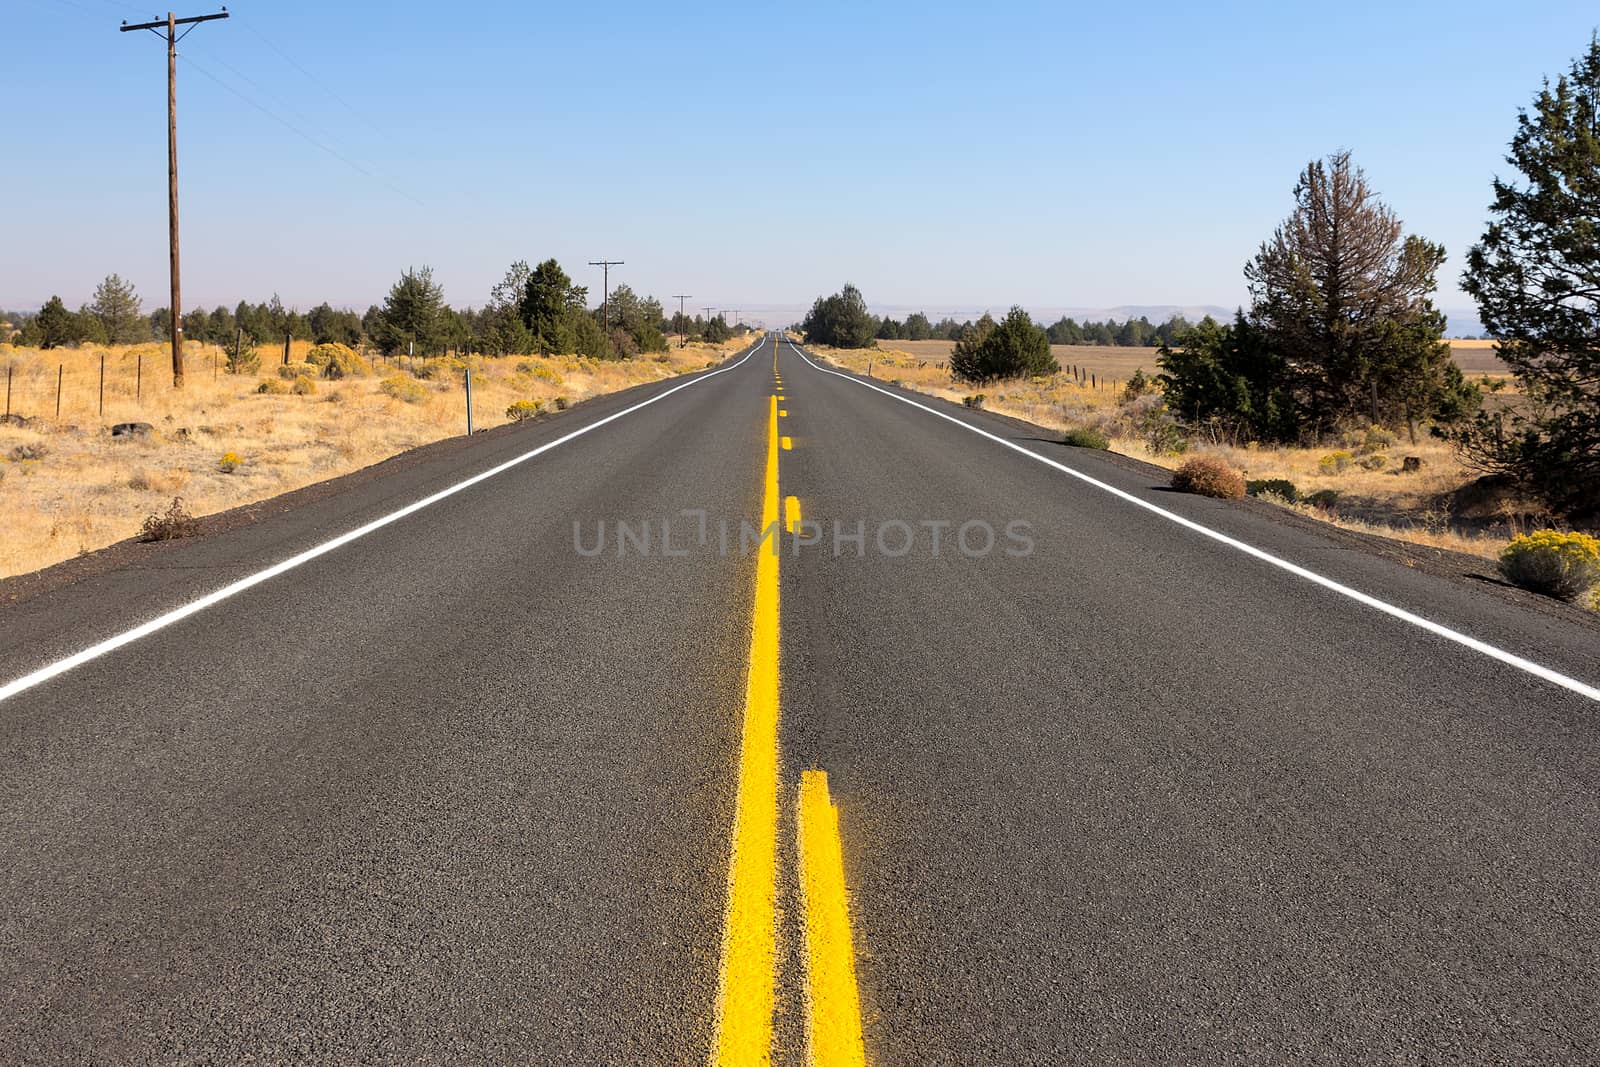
(745, 1001)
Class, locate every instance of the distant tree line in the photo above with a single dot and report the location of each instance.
(531, 310)
(843, 321)
(1137, 333)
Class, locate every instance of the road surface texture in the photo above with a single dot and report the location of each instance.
(463, 789)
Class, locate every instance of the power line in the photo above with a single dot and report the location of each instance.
(264, 91)
(324, 86)
(352, 164)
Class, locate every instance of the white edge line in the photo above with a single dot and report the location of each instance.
(1508, 658)
(127, 637)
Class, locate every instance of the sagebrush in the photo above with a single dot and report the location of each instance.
(1209, 476)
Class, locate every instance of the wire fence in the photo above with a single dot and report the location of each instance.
(88, 386)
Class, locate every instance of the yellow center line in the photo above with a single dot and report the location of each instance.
(833, 1017)
(745, 997)
(787, 442)
(791, 512)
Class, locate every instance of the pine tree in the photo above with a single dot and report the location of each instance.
(1344, 295)
(413, 312)
(550, 306)
(116, 305)
(1536, 277)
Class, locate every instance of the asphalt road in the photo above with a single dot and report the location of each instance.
(458, 791)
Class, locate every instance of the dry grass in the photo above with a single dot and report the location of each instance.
(1478, 357)
(1115, 364)
(87, 489)
(1406, 506)
(1119, 362)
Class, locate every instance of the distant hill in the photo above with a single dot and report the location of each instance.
(1463, 322)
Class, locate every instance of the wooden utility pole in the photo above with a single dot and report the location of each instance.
(175, 329)
(605, 285)
(683, 337)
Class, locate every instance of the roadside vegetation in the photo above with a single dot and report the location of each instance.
(1335, 392)
(140, 458)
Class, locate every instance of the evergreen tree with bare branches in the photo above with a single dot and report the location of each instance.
(1343, 295)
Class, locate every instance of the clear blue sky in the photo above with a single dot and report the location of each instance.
(937, 155)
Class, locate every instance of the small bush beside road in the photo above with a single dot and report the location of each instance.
(1565, 566)
(1208, 476)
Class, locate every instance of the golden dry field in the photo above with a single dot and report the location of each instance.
(1410, 506)
(67, 486)
(1118, 363)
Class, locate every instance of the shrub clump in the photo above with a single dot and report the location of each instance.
(290, 371)
(230, 462)
(335, 361)
(524, 409)
(168, 525)
(272, 387)
(247, 360)
(1086, 437)
(441, 369)
(403, 389)
(1208, 476)
(1323, 498)
(1336, 462)
(305, 385)
(1281, 488)
(34, 451)
(1555, 564)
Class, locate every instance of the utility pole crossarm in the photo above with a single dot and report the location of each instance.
(605, 291)
(162, 24)
(176, 22)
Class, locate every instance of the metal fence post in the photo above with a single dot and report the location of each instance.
(468, 373)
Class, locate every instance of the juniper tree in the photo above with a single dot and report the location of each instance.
(1536, 277)
(841, 320)
(55, 325)
(1014, 347)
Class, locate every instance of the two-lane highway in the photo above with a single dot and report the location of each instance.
(987, 764)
